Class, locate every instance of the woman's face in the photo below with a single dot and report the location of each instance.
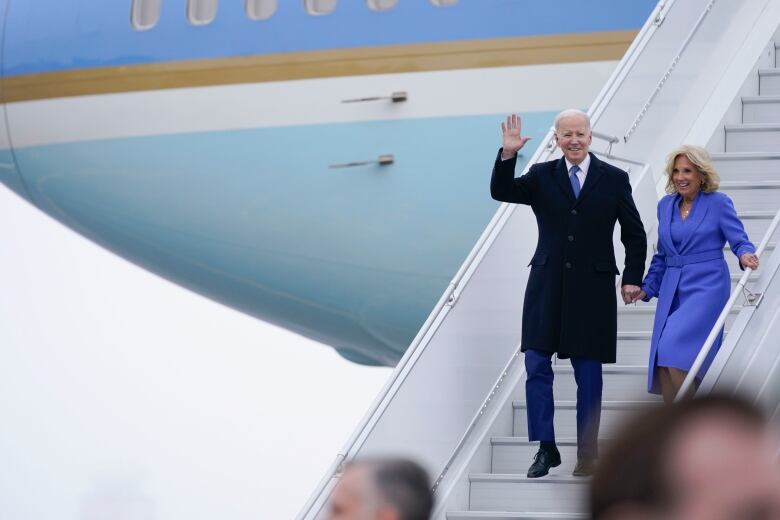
(686, 178)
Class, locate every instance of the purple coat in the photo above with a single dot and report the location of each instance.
(692, 282)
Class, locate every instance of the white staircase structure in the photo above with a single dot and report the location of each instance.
(700, 71)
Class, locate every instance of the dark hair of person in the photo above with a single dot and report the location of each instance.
(632, 470)
(402, 483)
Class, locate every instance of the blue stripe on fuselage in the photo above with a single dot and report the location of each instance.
(56, 35)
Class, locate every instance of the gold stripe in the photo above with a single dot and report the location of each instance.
(502, 52)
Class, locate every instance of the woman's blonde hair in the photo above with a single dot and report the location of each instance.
(710, 180)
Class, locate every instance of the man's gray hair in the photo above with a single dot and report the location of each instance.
(569, 113)
(399, 483)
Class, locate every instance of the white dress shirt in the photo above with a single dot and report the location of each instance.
(584, 165)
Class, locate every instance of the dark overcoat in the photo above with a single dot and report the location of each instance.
(570, 303)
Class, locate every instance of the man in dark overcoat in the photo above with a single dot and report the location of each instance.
(570, 301)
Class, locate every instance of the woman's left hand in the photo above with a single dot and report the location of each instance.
(749, 260)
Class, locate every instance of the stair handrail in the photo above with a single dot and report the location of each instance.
(414, 351)
(668, 72)
(508, 368)
(715, 331)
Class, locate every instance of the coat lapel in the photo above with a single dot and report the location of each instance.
(592, 178)
(700, 206)
(562, 178)
(665, 233)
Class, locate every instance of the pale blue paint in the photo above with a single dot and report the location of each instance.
(53, 35)
(9, 175)
(355, 258)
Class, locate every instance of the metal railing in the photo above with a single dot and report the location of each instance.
(752, 299)
(416, 348)
(654, 21)
(610, 139)
(480, 413)
(379, 404)
(668, 72)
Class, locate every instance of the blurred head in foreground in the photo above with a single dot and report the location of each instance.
(382, 489)
(709, 458)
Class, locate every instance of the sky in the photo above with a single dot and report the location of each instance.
(125, 396)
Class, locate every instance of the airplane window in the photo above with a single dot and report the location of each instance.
(444, 3)
(260, 9)
(381, 5)
(144, 14)
(201, 12)
(319, 7)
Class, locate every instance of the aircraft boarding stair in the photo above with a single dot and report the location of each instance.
(698, 72)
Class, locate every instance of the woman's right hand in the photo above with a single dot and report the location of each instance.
(511, 140)
(641, 296)
(749, 260)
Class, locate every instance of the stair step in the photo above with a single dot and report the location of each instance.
(761, 109)
(613, 413)
(756, 222)
(620, 381)
(770, 246)
(747, 166)
(753, 137)
(521, 441)
(769, 81)
(498, 492)
(756, 195)
(635, 334)
(750, 214)
(513, 455)
(750, 185)
(508, 515)
(633, 317)
(633, 348)
(605, 369)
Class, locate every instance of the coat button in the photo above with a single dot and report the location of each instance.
(568, 265)
(574, 212)
(571, 238)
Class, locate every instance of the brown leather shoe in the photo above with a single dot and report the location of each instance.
(584, 468)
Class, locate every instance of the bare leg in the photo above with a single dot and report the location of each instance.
(678, 376)
(667, 386)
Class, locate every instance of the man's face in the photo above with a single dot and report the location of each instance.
(354, 499)
(348, 501)
(725, 472)
(574, 137)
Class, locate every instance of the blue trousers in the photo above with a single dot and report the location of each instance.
(539, 400)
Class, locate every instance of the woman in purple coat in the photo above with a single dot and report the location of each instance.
(688, 274)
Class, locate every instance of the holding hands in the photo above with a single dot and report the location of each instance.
(749, 260)
(512, 141)
(631, 293)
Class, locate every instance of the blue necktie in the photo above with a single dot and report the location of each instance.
(575, 181)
